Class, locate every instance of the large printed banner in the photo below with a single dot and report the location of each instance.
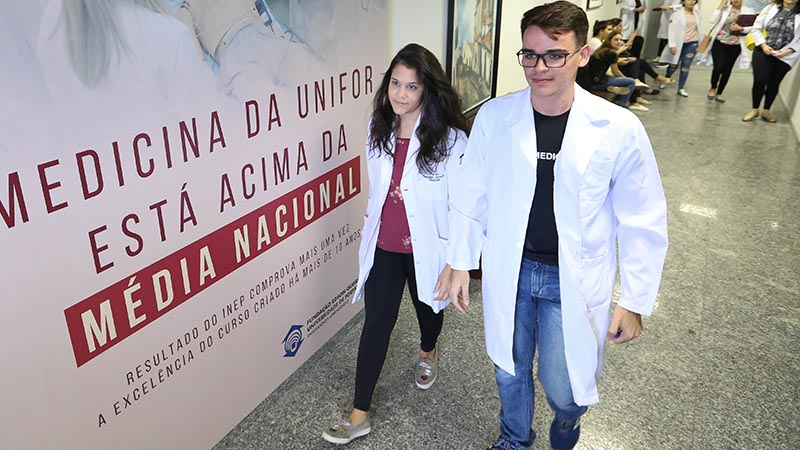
(180, 209)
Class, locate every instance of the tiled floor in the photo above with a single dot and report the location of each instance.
(717, 366)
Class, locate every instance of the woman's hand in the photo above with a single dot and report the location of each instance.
(782, 53)
(442, 288)
(722, 4)
(736, 27)
(766, 49)
(673, 50)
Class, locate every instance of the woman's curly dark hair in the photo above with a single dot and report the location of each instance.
(441, 109)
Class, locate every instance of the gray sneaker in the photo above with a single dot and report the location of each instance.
(426, 371)
(343, 431)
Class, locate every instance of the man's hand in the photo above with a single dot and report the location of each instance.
(625, 326)
(459, 289)
(442, 288)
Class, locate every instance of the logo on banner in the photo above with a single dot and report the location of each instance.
(293, 341)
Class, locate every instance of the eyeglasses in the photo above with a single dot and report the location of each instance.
(552, 60)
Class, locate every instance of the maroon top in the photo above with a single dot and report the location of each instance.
(393, 233)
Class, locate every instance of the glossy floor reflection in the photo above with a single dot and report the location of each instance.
(717, 367)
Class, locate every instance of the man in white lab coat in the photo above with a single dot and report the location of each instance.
(553, 179)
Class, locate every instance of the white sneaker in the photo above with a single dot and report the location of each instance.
(683, 93)
(638, 107)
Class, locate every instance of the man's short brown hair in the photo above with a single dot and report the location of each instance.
(558, 18)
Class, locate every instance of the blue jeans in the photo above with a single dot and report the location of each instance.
(537, 321)
(621, 100)
(688, 51)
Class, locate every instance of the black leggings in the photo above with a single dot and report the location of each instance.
(662, 43)
(768, 72)
(636, 47)
(382, 294)
(724, 57)
(638, 69)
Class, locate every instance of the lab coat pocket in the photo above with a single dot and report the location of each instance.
(596, 284)
(596, 181)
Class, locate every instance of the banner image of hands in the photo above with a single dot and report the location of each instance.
(180, 209)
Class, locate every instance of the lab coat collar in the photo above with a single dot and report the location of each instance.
(579, 141)
(581, 136)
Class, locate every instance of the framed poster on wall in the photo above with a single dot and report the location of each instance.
(593, 4)
(473, 35)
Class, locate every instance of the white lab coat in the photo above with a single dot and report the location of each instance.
(677, 33)
(718, 18)
(663, 23)
(763, 18)
(607, 190)
(627, 14)
(426, 201)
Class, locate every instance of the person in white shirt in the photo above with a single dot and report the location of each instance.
(600, 31)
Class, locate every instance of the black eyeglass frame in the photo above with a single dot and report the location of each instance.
(563, 59)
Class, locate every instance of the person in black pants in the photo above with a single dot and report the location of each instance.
(638, 68)
(727, 44)
(775, 54)
(416, 135)
(725, 56)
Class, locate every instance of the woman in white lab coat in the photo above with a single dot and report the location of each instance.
(775, 53)
(669, 7)
(684, 35)
(727, 45)
(633, 20)
(416, 136)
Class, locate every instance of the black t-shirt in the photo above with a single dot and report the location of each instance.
(541, 239)
(594, 73)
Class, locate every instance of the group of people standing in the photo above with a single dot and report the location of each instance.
(553, 188)
(616, 62)
(775, 35)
